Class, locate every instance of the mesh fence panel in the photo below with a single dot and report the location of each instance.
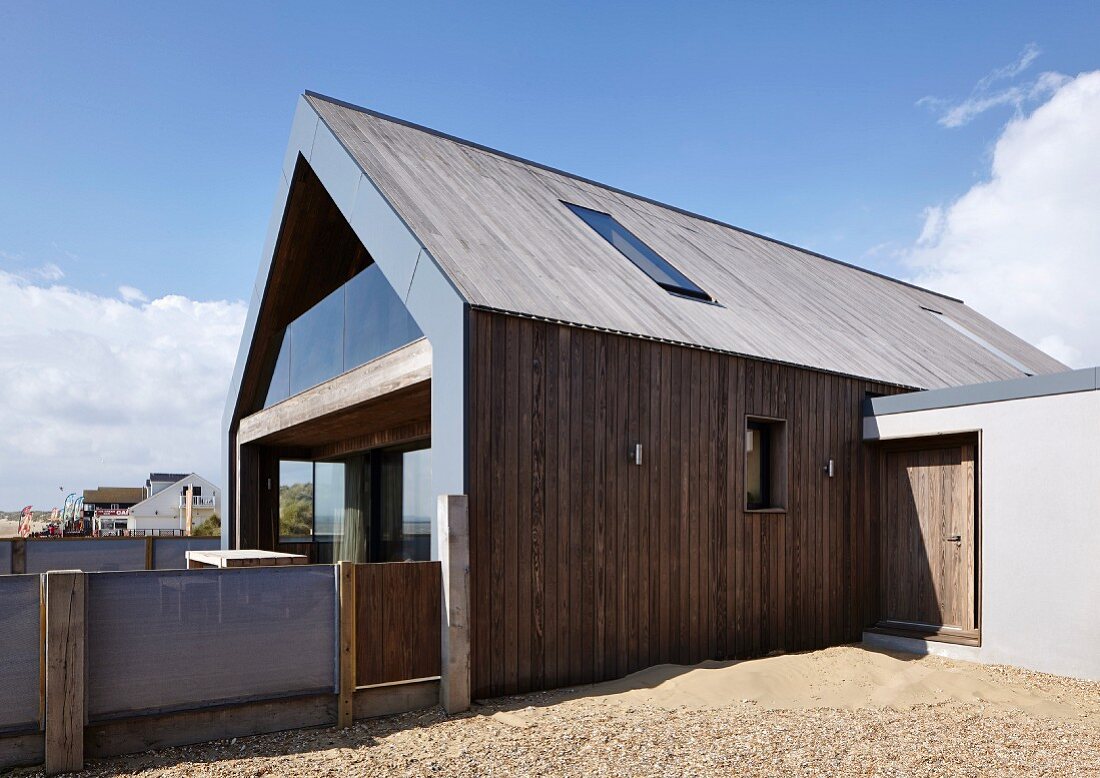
(168, 553)
(174, 640)
(5, 558)
(91, 555)
(20, 644)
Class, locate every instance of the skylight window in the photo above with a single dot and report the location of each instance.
(646, 259)
(980, 341)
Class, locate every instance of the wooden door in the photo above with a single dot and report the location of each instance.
(929, 529)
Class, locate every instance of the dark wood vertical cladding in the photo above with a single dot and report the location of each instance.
(585, 566)
(248, 466)
(397, 621)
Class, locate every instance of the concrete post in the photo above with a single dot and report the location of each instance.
(64, 671)
(454, 556)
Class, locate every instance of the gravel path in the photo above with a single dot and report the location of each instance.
(573, 733)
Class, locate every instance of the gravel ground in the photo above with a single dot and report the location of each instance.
(573, 733)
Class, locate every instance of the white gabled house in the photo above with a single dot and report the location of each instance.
(179, 507)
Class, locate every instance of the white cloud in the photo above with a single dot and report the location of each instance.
(986, 95)
(1023, 247)
(49, 272)
(132, 294)
(96, 390)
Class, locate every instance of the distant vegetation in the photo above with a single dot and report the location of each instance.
(9, 522)
(296, 510)
(210, 528)
(16, 515)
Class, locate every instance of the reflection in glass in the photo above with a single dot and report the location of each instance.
(405, 509)
(279, 389)
(756, 466)
(317, 343)
(360, 321)
(377, 322)
(352, 544)
(371, 507)
(328, 500)
(295, 499)
(417, 503)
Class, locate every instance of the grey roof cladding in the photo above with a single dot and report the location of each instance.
(495, 224)
(167, 477)
(1072, 381)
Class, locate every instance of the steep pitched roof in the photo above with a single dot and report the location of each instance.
(498, 227)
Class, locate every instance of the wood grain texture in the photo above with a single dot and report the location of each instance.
(585, 566)
(497, 226)
(24, 750)
(65, 626)
(146, 733)
(928, 498)
(301, 419)
(345, 705)
(397, 621)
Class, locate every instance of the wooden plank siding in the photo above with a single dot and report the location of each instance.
(397, 621)
(585, 566)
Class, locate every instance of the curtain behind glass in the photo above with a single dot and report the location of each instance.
(352, 544)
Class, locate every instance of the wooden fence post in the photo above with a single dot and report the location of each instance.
(19, 555)
(148, 552)
(345, 711)
(454, 556)
(64, 671)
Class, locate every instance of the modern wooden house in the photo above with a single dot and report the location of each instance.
(656, 418)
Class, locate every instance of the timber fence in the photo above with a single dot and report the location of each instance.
(104, 663)
(40, 555)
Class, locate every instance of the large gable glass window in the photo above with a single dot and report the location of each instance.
(646, 259)
(358, 322)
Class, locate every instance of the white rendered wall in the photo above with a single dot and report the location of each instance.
(1040, 524)
(163, 511)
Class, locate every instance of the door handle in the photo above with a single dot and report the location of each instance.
(953, 538)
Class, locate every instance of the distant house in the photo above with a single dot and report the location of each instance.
(106, 508)
(656, 417)
(159, 507)
(177, 506)
(158, 482)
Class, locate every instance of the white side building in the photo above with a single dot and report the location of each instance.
(1036, 517)
(180, 505)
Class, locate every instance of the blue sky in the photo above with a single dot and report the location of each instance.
(144, 138)
(143, 143)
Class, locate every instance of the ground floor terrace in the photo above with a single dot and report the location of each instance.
(342, 471)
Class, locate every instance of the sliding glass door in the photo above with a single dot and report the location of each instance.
(404, 505)
(372, 507)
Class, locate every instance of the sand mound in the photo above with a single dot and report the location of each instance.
(845, 677)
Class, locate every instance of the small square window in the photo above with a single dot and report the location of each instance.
(765, 464)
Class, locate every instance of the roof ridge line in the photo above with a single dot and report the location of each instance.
(617, 190)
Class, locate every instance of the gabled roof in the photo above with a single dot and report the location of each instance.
(111, 495)
(181, 480)
(498, 228)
